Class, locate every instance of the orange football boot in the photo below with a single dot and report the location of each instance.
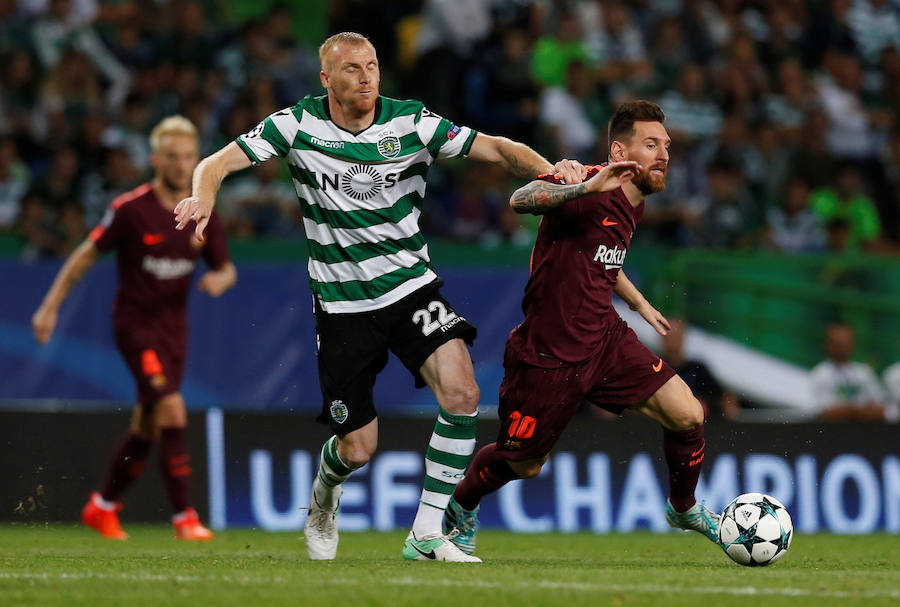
(105, 521)
(188, 527)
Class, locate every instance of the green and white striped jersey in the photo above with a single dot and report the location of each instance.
(360, 194)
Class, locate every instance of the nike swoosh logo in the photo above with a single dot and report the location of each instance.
(152, 239)
(608, 223)
(657, 367)
(700, 450)
(428, 555)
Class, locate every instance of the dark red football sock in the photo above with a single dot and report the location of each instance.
(684, 455)
(175, 464)
(125, 465)
(487, 473)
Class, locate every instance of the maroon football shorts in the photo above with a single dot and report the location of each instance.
(536, 404)
(155, 359)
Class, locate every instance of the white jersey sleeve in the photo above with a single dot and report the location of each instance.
(274, 136)
(443, 138)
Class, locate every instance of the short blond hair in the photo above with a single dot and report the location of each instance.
(351, 38)
(173, 125)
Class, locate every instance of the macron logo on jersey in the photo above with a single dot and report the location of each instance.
(334, 145)
(613, 258)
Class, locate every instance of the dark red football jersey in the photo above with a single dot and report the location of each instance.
(577, 255)
(155, 261)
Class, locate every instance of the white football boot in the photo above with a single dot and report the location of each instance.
(321, 532)
(435, 547)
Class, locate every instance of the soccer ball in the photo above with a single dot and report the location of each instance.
(755, 530)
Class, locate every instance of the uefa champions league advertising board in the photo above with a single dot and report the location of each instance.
(604, 477)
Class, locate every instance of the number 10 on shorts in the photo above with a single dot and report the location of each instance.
(521, 426)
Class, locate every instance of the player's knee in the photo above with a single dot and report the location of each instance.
(528, 468)
(690, 416)
(356, 457)
(462, 399)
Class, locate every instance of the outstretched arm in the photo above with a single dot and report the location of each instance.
(636, 301)
(539, 196)
(517, 158)
(207, 179)
(43, 322)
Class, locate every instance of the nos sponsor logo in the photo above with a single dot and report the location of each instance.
(612, 258)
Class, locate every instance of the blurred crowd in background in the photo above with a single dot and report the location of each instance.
(784, 114)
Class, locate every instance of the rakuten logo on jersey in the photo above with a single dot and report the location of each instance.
(613, 258)
(167, 269)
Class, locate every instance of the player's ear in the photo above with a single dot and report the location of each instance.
(616, 151)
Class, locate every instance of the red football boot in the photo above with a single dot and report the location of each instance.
(188, 527)
(104, 520)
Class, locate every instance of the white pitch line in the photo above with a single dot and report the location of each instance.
(651, 588)
(411, 581)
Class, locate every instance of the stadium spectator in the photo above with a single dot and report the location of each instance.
(156, 263)
(36, 228)
(731, 218)
(14, 181)
(794, 227)
(850, 123)
(891, 379)
(552, 53)
(718, 403)
(573, 346)
(669, 53)
(396, 290)
(568, 114)
(502, 94)
(875, 25)
(845, 390)
(848, 200)
(617, 48)
(787, 103)
(693, 113)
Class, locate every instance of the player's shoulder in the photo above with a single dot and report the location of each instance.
(132, 198)
(311, 104)
(394, 108)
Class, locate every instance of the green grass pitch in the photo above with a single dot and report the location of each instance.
(70, 565)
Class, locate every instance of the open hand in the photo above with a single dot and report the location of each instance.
(192, 208)
(570, 171)
(613, 176)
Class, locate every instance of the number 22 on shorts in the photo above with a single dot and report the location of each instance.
(521, 426)
(429, 323)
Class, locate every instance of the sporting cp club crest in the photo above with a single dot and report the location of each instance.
(338, 411)
(389, 146)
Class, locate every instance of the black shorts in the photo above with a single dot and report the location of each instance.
(353, 349)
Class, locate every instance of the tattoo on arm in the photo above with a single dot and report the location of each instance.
(539, 197)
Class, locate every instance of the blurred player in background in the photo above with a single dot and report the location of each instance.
(155, 266)
(574, 347)
(359, 162)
